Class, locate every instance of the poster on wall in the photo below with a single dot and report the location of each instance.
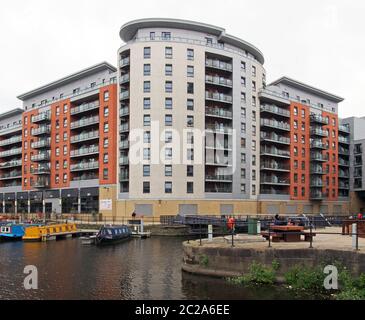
(106, 205)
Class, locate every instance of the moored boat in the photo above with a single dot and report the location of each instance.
(113, 235)
(11, 232)
(49, 232)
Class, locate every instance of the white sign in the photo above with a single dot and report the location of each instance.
(106, 205)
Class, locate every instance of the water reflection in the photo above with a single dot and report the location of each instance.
(140, 269)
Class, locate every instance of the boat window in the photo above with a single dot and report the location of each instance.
(109, 232)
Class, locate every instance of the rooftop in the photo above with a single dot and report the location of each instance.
(68, 79)
(11, 113)
(307, 88)
(129, 30)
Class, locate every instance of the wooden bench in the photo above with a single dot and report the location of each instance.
(276, 237)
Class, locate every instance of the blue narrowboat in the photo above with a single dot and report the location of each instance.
(113, 235)
(11, 232)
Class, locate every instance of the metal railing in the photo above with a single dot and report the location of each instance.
(85, 166)
(85, 107)
(10, 141)
(85, 136)
(218, 64)
(85, 122)
(274, 109)
(275, 124)
(10, 153)
(219, 112)
(41, 144)
(275, 138)
(41, 130)
(218, 96)
(44, 116)
(275, 152)
(219, 81)
(84, 151)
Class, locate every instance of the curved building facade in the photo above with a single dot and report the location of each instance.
(190, 92)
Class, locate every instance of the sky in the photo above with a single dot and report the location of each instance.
(319, 42)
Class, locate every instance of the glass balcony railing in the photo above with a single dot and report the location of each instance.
(319, 119)
(42, 156)
(13, 140)
(275, 180)
(44, 116)
(11, 164)
(343, 140)
(10, 153)
(343, 174)
(318, 195)
(217, 187)
(319, 132)
(124, 62)
(124, 111)
(318, 144)
(41, 130)
(124, 127)
(217, 80)
(124, 177)
(217, 64)
(274, 166)
(42, 183)
(319, 157)
(219, 128)
(124, 144)
(344, 163)
(85, 177)
(344, 151)
(318, 170)
(11, 175)
(219, 112)
(316, 184)
(84, 151)
(345, 186)
(224, 178)
(275, 124)
(85, 122)
(275, 138)
(275, 110)
(125, 78)
(216, 96)
(124, 161)
(124, 95)
(344, 128)
(275, 152)
(45, 143)
(85, 137)
(84, 165)
(44, 169)
(85, 107)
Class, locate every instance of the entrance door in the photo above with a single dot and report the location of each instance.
(49, 208)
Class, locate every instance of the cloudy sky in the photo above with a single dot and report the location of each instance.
(321, 43)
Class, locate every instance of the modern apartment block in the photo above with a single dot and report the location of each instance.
(60, 149)
(185, 125)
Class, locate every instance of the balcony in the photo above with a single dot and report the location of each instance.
(316, 184)
(10, 153)
(42, 183)
(319, 157)
(44, 143)
(124, 161)
(124, 62)
(274, 152)
(124, 177)
(219, 128)
(86, 107)
(318, 144)
(84, 152)
(85, 177)
(319, 132)
(219, 81)
(274, 166)
(266, 108)
(343, 174)
(13, 140)
(343, 151)
(125, 78)
(85, 122)
(11, 175)
(93, 135)
(343, 140)
(344, 129)
(124, 127)
(11, 164)
(273, 191)
(219, 178)
(317, 195)
(124, 144)
(318, 170)
(343, 163)
(275, 180)
(41, 170)
(42, 156)
(272, 137)
(217, 64)
(319, 119)
(124, 111)
(218, 113)
(42, 117)
(344, 186)
(42, 130)
(84, 166)
(217, 145)
(124, 95)
(212, 187)
(280, 125)
(218, 97)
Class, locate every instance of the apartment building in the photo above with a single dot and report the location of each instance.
(185, 125)
(60, 149)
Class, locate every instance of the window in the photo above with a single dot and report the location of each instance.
(57, 165)
(209, 41)
(146, 187)
(243, 81)
(168, 86)
(57, 152)
(106, 174)
(147, 70)
(243, 157)
(190, 138)
(147, 137)
(168, 187)
(168, 103)
(106, 127)
(57, 138)
(106, 112)
(65, 107)
(57, 124)
(168, 120)
(146, 120)
(254, 116)
(254, 131)
(253, 190)
(168, 154)
(254, 102)
(147, 154)
(254, 86)
(243, 143)
(166, 35)
(190, 71)
(303, 113)
(243, 65)
(147, 86)
(65, 123)
(190, 155)
(57, 179)
(146, 171)
(253, 175)
(190, 187)
(168, 70)
(243, 188)
(168, 53)
(106, 96)
(190, 121)
(190, 88)
(243, 97)
(253, 71)
(152, 35)
(168, 171)
(254, 145)
(65, 136)
(295, 111)
(147, 103)
(190, 54)
(190, 171)
(254, 160)
(147, 52)
(65, 150)
(190, 104)
(106, 158)
(243, 173)
(243, 128)
(168, 137)
(106, 143)
(57, 111)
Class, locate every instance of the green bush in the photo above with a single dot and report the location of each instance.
(258, 274)
(305, 278)
(204, 260)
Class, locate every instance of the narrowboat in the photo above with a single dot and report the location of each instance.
(113, 235)
(11, 232)
(50, 232)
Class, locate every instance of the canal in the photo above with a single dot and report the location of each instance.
(137, 270)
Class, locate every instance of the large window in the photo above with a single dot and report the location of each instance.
(147, 53)
(168, 187)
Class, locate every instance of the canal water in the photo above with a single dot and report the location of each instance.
(138, 270)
